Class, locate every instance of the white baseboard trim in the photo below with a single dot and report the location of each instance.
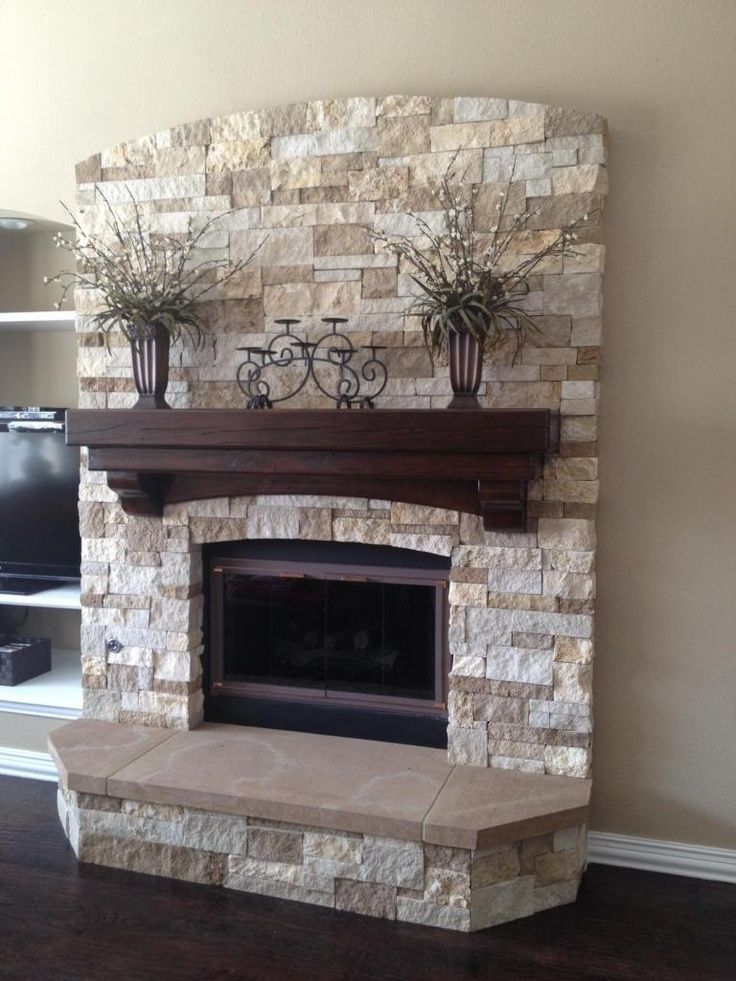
(25, 763)
(672, 857)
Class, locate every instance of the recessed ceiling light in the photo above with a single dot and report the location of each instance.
(15, 224)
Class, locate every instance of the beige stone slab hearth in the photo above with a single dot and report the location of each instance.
(351, 785)
(87, 752)
(480, 808)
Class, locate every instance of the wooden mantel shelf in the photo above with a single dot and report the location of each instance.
(476, 461)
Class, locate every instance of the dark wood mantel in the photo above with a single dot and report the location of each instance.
(474, 461)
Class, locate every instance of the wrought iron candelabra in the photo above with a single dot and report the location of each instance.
(359, 382)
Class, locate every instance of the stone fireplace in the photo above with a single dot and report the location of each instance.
(494, 828)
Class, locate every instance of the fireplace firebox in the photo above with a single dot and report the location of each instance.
(327, 637)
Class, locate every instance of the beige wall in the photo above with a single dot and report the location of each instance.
(25, 258)
(38, 367)
(14, 272)
(28, 732)
(663, 73)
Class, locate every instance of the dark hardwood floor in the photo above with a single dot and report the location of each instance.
(60, 920)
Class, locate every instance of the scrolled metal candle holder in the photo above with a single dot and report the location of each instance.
(359, 383)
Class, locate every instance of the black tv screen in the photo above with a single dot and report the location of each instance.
(39, 522)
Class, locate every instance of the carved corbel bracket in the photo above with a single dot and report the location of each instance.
(140, 493)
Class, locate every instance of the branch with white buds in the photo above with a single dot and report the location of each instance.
(144, 280)
(464, 287)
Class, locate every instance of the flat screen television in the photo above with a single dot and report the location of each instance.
(39, 518)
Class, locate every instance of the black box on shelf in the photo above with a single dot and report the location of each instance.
(22, 658)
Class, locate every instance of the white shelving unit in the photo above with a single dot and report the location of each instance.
(55, 695)
(58, 693)
(64, 597)
(37, 320)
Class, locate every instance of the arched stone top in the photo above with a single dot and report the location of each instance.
(313, 181)
(391, 126)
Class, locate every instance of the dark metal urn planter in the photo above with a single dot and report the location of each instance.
(151, 368)
(466, 365)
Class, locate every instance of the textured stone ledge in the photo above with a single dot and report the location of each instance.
(415, 882)
(359, 786)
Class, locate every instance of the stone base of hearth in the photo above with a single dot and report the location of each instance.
(410, 881)
(388, 831)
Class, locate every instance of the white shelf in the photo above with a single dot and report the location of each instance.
(54, 695)
(37, 320)
(66, 597)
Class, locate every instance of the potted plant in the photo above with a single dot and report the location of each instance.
(472, 286)
(149, 287)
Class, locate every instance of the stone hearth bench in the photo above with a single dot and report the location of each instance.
(389, 830)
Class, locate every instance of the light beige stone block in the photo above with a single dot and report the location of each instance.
(311, 299)
(577, 295)
(403, 105)
(568, 122)
(569, 584)
(533, 667)
(152, 858)
(586, 331)
(342, 240)
(307, 523)
(400, 136)
(151, 189)
(334, 141)
(573, 682)
(277, 247)
(437, 544)
(351, 212)
(411, 910)
(268, 844)
(494, 865)
(569, 561)
(504, 581)
(443, 887)
(468, 594)
(502, 902)
(459, 136)
(580, 491)
(567, 761)
(580, 179)
(336, 848)
(427, 167)
(382, 183)
(573, 649)
(278, 888)
(468, 667)
(469, 110)
(491, 557)
(392, 862)
(368, 898)
(467, 747)
(566, 533)
(578, 407)
(374, 531)
(238, 127)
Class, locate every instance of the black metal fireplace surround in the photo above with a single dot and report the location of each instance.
(327, 637)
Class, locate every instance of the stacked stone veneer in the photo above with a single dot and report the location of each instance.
(455, 888)
(317, 177)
